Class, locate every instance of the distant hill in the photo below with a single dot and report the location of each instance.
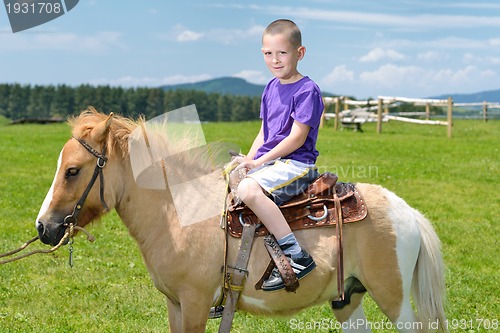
(223, 85)
(489, 96)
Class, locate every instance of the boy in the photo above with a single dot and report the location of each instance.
(282, 157)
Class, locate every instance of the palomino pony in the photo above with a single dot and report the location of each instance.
(393, 253)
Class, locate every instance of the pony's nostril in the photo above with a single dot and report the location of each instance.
(40, 227)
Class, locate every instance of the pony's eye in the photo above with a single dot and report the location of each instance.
(71, 172)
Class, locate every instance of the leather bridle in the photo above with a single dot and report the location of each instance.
(101, 163)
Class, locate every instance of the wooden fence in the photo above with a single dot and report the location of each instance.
(378, 111)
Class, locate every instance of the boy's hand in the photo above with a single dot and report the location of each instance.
(244, 162)
(248, 164)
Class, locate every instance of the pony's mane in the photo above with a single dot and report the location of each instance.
(119, 130)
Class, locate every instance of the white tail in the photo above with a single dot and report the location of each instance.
(428, 286)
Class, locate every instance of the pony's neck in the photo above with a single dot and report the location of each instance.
(152, 221)
(148, 214)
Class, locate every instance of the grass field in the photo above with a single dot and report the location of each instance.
(454, 182)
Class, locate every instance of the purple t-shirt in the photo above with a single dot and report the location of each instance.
(281, 105)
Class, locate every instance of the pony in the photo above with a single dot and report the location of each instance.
(394, 253)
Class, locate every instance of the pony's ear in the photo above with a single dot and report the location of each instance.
(99, 132)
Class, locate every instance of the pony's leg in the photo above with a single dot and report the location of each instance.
(397, 306)
(188, 317)
(392, 295)
(195, 306)
(407, 321)
(352, 316)
(174, 317)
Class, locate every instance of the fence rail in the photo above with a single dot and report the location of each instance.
(362, 111)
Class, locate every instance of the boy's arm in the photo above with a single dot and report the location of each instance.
(292, 142)
(257, 142)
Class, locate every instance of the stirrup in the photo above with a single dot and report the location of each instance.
(301, 267)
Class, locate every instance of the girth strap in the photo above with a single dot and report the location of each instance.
(340, 249)
(235, 280)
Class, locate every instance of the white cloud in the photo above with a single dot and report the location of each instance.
(431, 56)
(378, 54)
(96, 43)
(494, 41)
(147, 81)
(189, 36)
(179, 78)
(252, 76)
(408, 81)
(494, 60)
(465, 74)
(439, 44)
(180, 33)
(229, 36)
(454, 78)
(471, 58)
(339, 74)
(488, 73)
(415, 21)
(390, 76)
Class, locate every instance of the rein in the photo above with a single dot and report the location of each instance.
(67, 235)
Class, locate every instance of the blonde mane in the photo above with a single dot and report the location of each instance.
(119, 131)
(122, 127)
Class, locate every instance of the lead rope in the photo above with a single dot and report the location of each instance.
(69, 233)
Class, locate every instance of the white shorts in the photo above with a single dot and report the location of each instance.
(284, 179)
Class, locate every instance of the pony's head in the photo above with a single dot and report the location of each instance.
(78, 194)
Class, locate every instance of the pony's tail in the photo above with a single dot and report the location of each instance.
(429, 288)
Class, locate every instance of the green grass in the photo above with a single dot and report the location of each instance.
(454, 182)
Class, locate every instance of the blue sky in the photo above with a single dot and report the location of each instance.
(360, 48)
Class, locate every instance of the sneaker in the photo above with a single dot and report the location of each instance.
(301, 267)
(215, 312)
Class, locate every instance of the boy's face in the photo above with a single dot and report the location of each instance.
(281, 57)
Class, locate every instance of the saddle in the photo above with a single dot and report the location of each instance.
(326, 202)
(313, 208)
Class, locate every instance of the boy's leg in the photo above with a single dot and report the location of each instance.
(270, 215)
(267, 211)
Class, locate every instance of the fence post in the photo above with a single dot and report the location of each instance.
(450, 116)
(337, 111)
(379, 116)
(322, 120)
(427, 111)
(485, 111)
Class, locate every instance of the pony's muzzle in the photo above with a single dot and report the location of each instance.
(50, 232)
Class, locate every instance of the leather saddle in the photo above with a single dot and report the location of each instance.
(313, 208)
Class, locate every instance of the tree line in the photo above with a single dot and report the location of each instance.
(58, 102)
(48, 102)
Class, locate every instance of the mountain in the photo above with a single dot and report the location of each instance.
(489, 96)
(223, 85)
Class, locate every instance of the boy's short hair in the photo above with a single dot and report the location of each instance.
(285, 26)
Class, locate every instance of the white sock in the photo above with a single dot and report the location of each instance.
(290, 245)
